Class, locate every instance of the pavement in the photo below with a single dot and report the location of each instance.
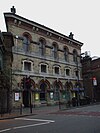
(27, 111)
(36, 111)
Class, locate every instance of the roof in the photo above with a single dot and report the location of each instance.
(12, 15)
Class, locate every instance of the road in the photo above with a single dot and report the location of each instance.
(77, 120)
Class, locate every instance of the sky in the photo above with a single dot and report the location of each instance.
(81, 17)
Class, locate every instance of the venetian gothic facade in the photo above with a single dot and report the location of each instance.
(50, 59)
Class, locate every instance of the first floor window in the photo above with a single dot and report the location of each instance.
(56, 70)
(43, 68)
(27, 66)
(67, 72)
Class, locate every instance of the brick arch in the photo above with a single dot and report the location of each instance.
(28, 35)
(58, 82)
(46, 82)
(68, 85)
(55, 44)
(65, 47)
(42, 39)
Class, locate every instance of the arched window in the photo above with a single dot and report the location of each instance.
(55, 51)
(26, 41)
(66, 53)
(75, 56)
(42, 48)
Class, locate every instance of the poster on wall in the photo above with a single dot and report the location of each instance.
(16, 96)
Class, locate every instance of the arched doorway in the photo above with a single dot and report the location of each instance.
(43, 88)
(28, 85)
(57, 89)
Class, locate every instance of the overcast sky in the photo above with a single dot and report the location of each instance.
(82, 17)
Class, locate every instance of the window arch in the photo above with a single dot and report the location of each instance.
(55, 50)
(75, 56)
(66, 53)
(42, 48)
(26, 41)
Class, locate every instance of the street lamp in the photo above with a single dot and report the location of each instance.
(28, 86)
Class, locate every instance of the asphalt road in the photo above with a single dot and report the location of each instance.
(79, 120)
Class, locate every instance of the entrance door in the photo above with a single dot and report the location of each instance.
(26, 98)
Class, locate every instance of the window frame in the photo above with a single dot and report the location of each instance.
(27, 61)
(68, 72)
(55, 50)
(56, 66)
(66, 54)
(41, 69)
(42, 47)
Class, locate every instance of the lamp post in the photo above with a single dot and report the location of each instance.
(28, 86)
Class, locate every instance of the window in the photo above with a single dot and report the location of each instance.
(43, 68)
(76, 73)
(56, 70)
(55, 51)
(67, 72)
(75, 56)
(27, 66)
(42, 47)
(26, 42)
(65, 54)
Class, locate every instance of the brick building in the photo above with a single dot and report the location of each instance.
(46, 59)
(91, 77)
(6, 58)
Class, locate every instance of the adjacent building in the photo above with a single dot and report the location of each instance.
(6, 58)
(91, 77)
(46, 64)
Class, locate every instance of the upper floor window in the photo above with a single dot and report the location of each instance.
(42, 47)
(26, 41)
(66, 53)
(56, 70)
(67, 72)
(55, 50)
(75, 56)
(43, 68)
(27, 65)
(76, 73)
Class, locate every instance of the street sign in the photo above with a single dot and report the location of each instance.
(94, 81)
